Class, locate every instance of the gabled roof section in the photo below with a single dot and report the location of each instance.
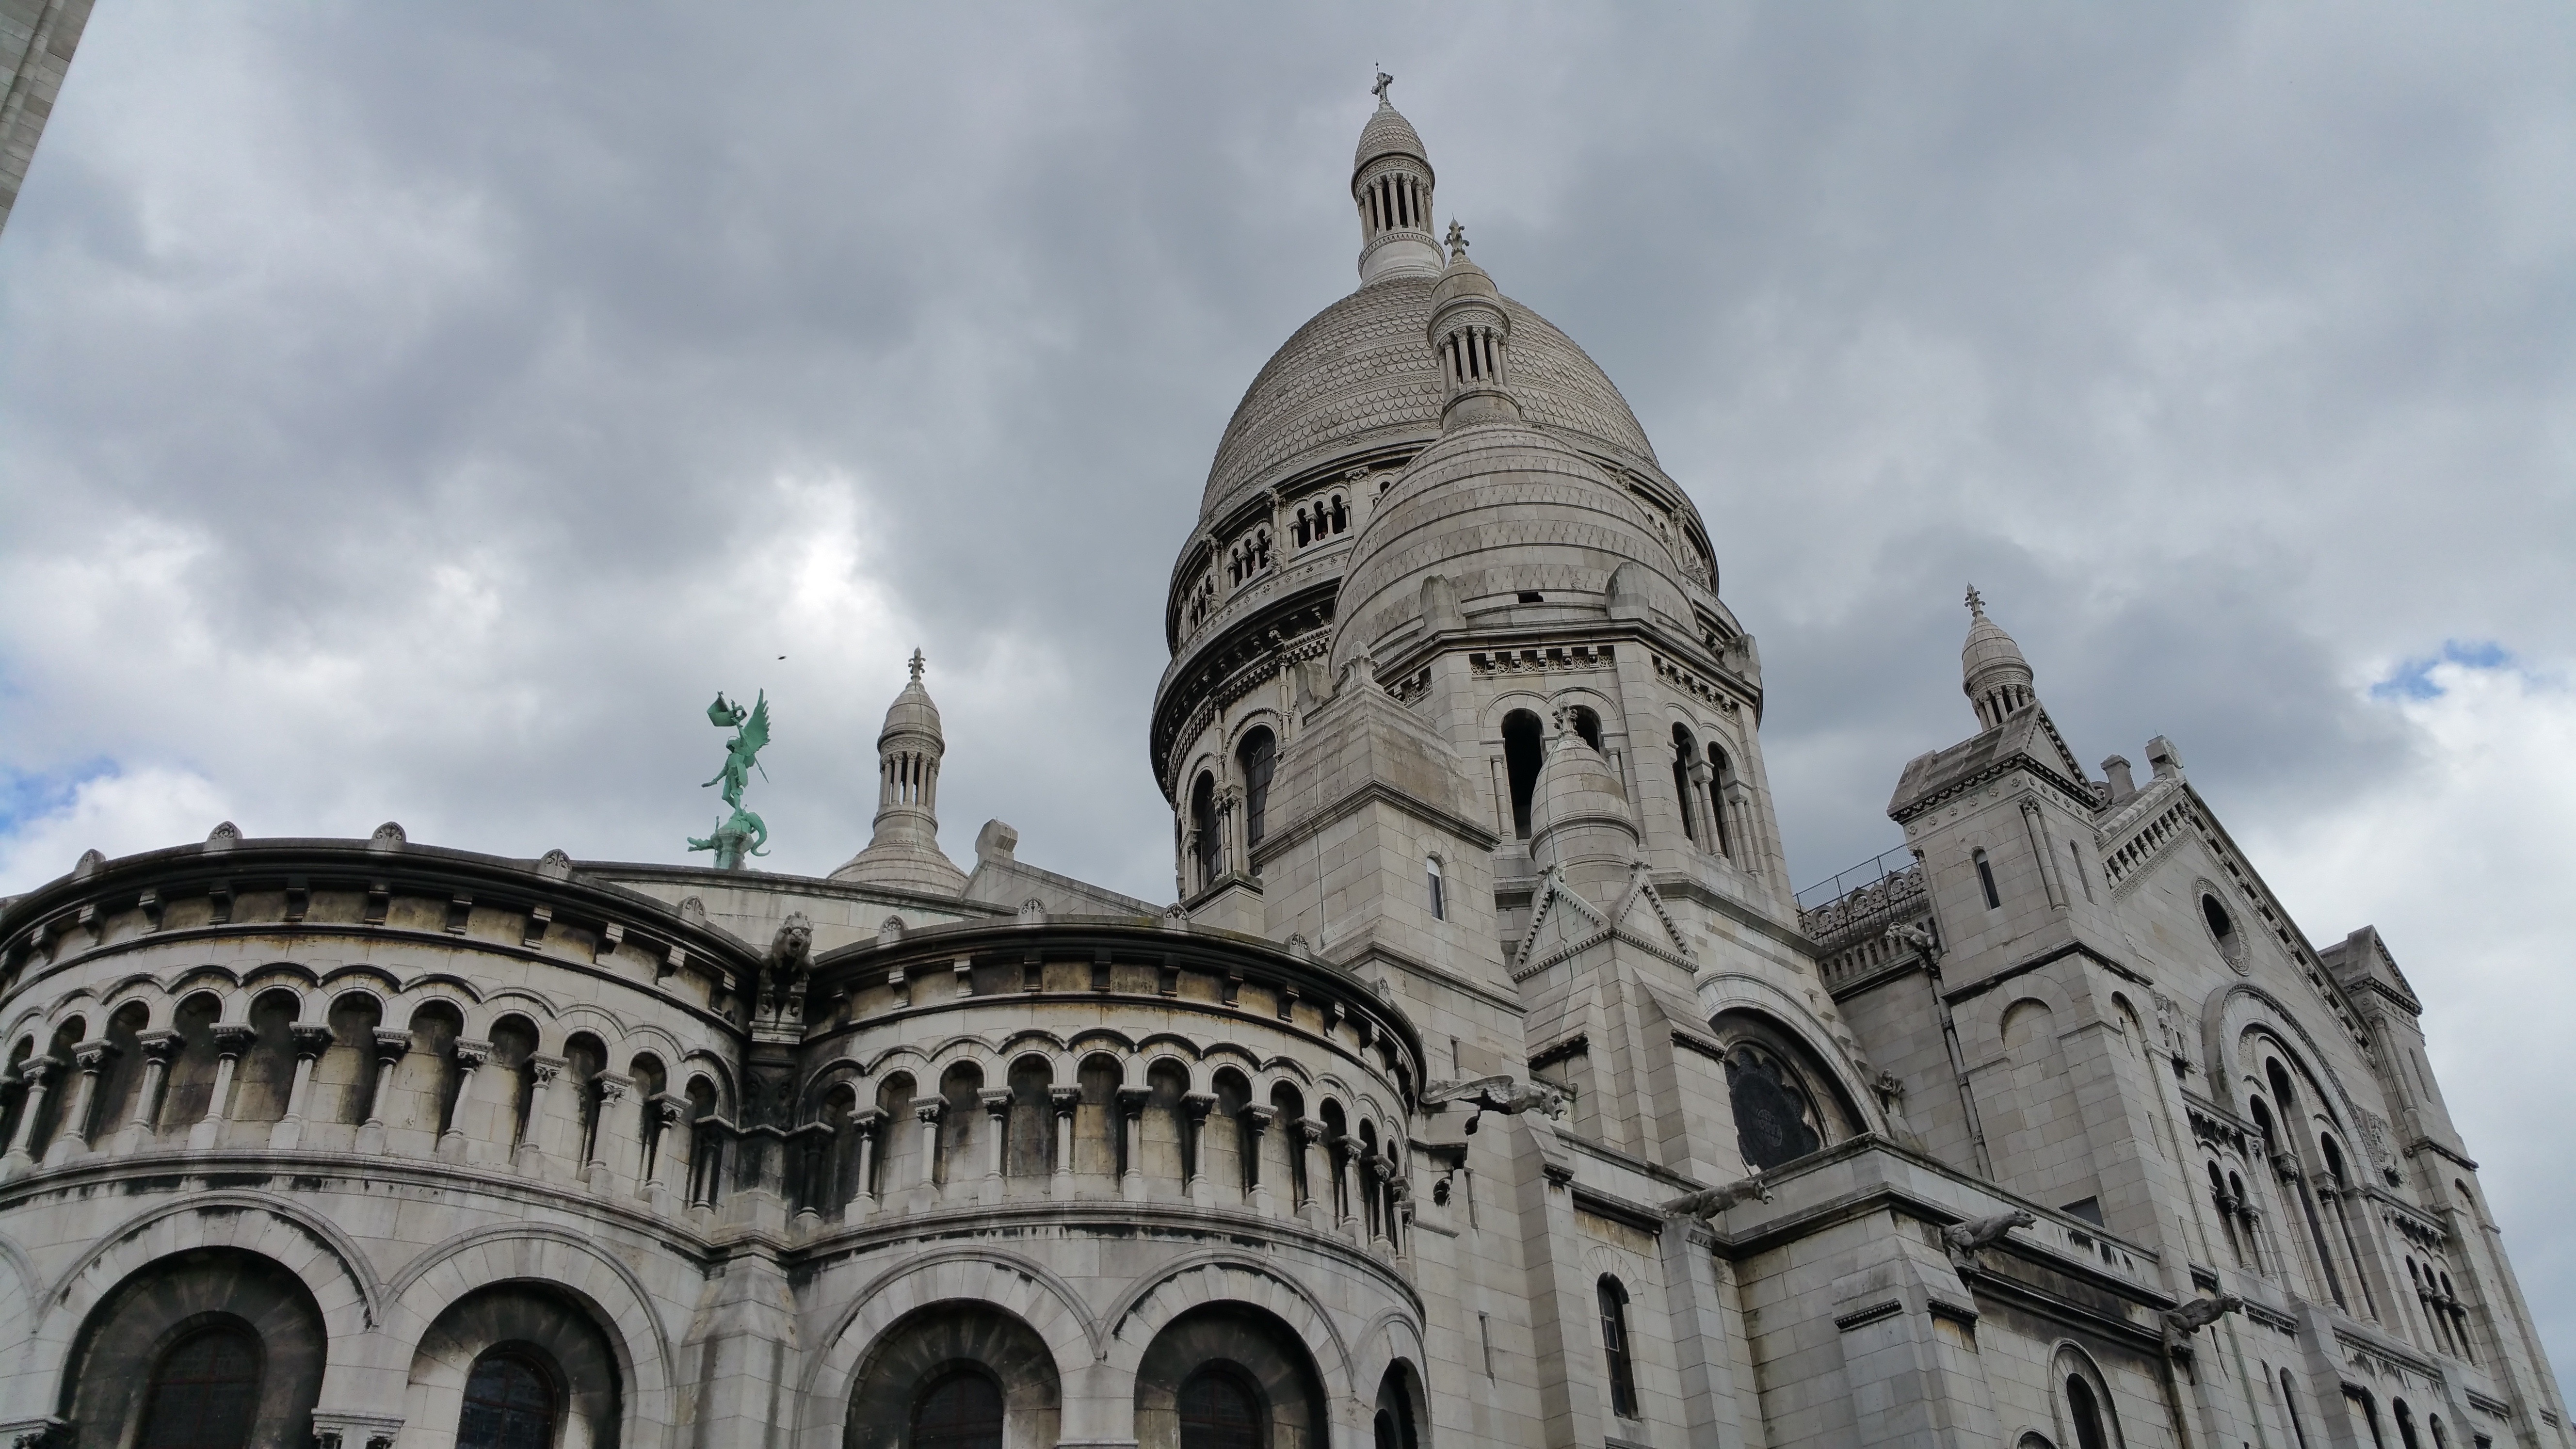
(2026, 740)
(1564, 925)
(2362, 962)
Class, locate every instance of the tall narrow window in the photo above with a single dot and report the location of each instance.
(961, 1409)
(2405, 1418)
(1614, 1343)
(1721, 782)
(1683, 750)
(509, 1404)
(1218, 1410)
(205, 1392)
(1259, 755)
(2290, 1407)
(2086, 1411)
(1521, 755)
(1439, 895)
(1986, 880)
(1205, 846)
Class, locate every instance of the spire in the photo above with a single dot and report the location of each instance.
(1391, 182)
(904, 851)
(1993, 674)
(1471, 335)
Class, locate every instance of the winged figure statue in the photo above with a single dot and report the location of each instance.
(742, 752)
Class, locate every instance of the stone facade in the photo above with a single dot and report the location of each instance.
(37, 38)
(1485, 1083)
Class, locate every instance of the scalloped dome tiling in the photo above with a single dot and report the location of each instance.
(1361, 375)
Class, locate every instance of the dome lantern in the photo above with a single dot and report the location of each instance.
(1471, 337)
(1993, 673)
(904, 850)
(1391, 182)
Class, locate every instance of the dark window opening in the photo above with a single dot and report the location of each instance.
(1530, 596)
(962, 1410)
(1439, 896)
(2086, 1411)
(1205, 845)
(1521, 755)
(1774, 1119)
(1986, 879)
(2219, 925)
(1721, 783)
(1614, 1344)
(509, 1404)
(1684, 750)
(2290, 1406)
(205, 1394)
(1259, 756)
(1587, 725)
(1218, 1410)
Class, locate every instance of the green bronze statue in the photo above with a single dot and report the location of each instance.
(743, 833)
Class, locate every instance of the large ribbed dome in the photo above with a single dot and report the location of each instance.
(1361, 374)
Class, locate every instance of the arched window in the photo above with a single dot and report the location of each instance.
(1614, 1343)
(1259, 755)
(1206, 848)
(204, 1393)
(961, 1409)
(1721, 780)
(1684, 750)
(2290, 1407)
(1219, 1410)
(1521, 754)
(2222, 929)
(2086, 1411)
(509, 1403)
(1775, 1120)
(2405, 1424)
(1439, 894)
(1986, 880)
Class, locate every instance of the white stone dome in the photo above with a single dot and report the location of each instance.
(1361, 375)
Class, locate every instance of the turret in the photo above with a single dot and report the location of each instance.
(1994, 676)
(904, 852)
(1580, 820)
(1471, 335)
(1391, 182)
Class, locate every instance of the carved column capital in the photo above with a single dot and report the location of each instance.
(1309, 1131)
(93, 1056)
(669, 1109)
(232, 1038)
(928, 1113)
(1257, 1120)
(1198, 1104)
(471, 1053)
(1064, 1099)
(869, 1121)
(544, 1070)
(160, 1046)
(1132, 1100)
(613, 1088)
(996, 1100)
(391, 1042)
(310, 1041)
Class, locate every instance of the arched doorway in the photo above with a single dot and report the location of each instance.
(955, 1374)
(510, 1402)
(1220, 1409)
(212, 1348)
(960, 1409)
(1229, 1376)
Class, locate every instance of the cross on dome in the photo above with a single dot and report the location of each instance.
(1457, 240)
(1384, 81)
(1976, 602)
(917, 662)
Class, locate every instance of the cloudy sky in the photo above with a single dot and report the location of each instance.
(418, 413)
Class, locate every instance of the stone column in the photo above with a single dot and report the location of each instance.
(310, 1043)
(1256, 1125)
(866, 1125)
(71, 1134)
(615, 1152)
(925, 1193)
(391, 1043)
(1381, 1171)
(470, 1057)
(1064, 1100)
(37, 1073)
(997, 1107)
(1338, 1196)
(158, 1048)
(231, 1040)
(1131, 1129)
(528, 1156)
(1308, 1139)
(1194, 1109)
(670, 1186)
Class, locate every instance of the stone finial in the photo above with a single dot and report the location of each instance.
(88, 864)
(917, 664)
(554, 865)
(224, 836)
(1456, 240)
(2163, 758)
(996, 842)
(2115, 770)
(388, 836)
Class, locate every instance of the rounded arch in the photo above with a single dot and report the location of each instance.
(110, 1378)
(329, 1262)
(552, 1331)
(1007, 1283)
(1782, 1089)
(2081, 1396)
(563, 1261)
(2218, 1042)
(1227, 1360)
(931, 1345)
(1219, 1276)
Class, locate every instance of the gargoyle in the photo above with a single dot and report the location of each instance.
(1709, 1202)
(790, 961)
(2181, 1323)
(1505, 1094)
(1964, 1239)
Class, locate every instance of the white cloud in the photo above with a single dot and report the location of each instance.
(117, 813)
(2460, 859)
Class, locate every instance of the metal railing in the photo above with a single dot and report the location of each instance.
(1868, 873)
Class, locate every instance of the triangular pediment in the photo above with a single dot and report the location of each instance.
(1564, 925)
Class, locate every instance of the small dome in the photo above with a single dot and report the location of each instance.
(911, 713)
(1462, 279)
(1388, 133)
(1992, 672)
(1580, 820)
